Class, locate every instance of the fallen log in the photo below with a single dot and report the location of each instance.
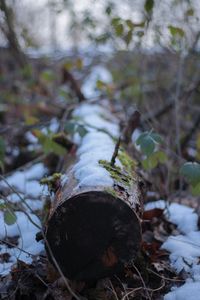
(94, 225)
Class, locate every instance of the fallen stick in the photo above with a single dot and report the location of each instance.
(94, 225)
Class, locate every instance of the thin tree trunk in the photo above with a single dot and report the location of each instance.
(10, 34)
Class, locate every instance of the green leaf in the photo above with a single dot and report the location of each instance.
(27, 71)
(161, 156)
(147, 142)
(100, 84)
(102, 38)
(79, 63)
(150, 162)
(48, 75)
(82, 131)
(119, 29)
(2, 204)
(30, 120)
(128, 37)
(130, 24)
(196, 189)
(10, 217)
(108, 10)
(190, 12)
(70, 127)
(156, 137)
(48, 145)
(115, 21)
(191, 170)
(149, 5)
(176, 31)
(140, 33)
(1, 166)
(63, 93)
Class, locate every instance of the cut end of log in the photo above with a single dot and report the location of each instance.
(93, 234)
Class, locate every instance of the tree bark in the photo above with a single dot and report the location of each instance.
(10, 34)
(94, 230)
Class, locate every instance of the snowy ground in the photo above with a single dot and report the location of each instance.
(24, 189)
(184, 248)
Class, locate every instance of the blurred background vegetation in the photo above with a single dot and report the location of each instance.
(138, 54)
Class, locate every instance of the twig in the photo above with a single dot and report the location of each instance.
(15, 246)
(142, 280)
(170, 104)
(68, 77)
(27, 165)
(18, 194)
(59, 269)
(51, 254)
(160, 112)
(113, 290)
(188, 136)
(132, 124)
(10, 34)
(44, 237)
(177, 108)
(131, 292)
(112, 162)
(45, 284)
(23, 126)
(165, 278)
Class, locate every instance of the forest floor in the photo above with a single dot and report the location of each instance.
(35, 112)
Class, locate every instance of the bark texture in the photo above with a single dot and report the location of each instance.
(94, 230)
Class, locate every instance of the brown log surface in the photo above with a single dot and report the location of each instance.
(94, 230)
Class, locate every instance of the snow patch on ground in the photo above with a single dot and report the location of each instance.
(26, 181)
(23, 231)
(190, 290)
(184, 217)
(184, 248)
(98, 144)
(26, 242)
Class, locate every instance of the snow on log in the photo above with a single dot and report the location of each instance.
(94, 225)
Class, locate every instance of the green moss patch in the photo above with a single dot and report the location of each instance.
(128, 163)
(117, 173)
(52, 182)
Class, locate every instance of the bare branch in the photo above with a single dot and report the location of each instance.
(112, 162)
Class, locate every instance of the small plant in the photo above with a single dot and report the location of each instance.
(191, 171)
(48, 144)
(149, 142)
(73, 127)
(9, 215)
